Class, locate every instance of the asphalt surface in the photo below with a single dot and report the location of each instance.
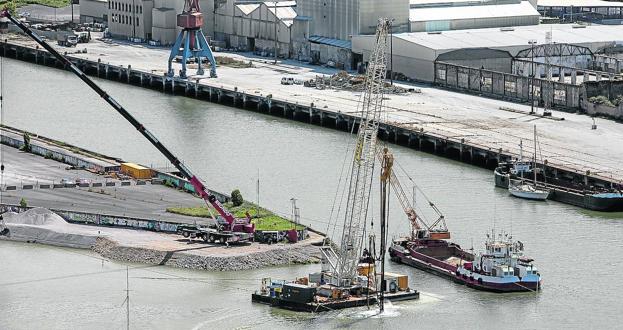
(143, 201)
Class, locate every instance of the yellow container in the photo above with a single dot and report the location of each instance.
(403, 280)
(365, 269)
(136, 171)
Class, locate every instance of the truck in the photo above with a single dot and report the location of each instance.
(68, 40)
(227, 228)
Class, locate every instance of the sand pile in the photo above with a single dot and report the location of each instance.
(37, 216)
(40, 225)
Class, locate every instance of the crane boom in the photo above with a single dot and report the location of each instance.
(200, 189)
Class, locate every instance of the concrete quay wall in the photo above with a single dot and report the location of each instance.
(419, 139)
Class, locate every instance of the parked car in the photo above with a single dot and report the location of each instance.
(287, 81)
(67, 182)
(81, 181)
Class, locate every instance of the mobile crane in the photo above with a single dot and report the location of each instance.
(227, 229)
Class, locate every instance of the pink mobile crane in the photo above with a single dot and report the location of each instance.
(227, 229)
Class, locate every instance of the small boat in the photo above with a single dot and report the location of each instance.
(523, 189)
(527, 191)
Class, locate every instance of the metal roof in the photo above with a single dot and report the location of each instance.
(518, 36)
(331, 42)
(248, 9)
(448, 13)
(578, 3)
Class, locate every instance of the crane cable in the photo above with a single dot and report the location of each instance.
(3, 229)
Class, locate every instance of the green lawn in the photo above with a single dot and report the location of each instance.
(49, 3)
(266, 220)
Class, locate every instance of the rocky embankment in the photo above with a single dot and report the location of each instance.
(285, 255)
(46, 227)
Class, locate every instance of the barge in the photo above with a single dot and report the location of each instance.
(501, 268)
(320, 297)
(568, 192)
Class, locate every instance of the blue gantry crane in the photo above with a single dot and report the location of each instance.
(191, 42)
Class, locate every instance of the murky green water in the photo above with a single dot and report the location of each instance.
(44, 287)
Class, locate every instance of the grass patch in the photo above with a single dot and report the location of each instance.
(49, 3)
(265, 220)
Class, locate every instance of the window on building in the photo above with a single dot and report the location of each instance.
(137, 21)
(140, 9)
(109, 4)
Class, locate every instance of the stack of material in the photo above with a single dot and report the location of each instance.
(345, 81)
(44, 226)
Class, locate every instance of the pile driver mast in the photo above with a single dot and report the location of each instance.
(191, 42)
(343, 262)
(236, 229)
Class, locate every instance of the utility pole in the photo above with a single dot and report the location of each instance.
(275, 7)
(386, 169)
(133, 21)
(391, 51)
(127, 296)
(532, 43)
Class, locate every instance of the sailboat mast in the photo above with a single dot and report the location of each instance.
(534, 165)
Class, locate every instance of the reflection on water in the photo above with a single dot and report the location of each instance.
(576, 250)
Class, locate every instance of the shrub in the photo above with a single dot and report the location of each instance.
(236, 198)
(26, 146)
(23, 203)
(600, 100)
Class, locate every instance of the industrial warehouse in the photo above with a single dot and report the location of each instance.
(358, 164)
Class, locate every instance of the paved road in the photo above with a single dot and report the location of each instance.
(477, 120)
(145, 201)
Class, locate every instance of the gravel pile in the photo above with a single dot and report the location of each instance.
(43, 226)
(302, 254)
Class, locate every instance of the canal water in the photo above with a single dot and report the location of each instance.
(577, 251)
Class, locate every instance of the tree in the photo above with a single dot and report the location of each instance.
(23, 203)
(236, 198)
(26, 146)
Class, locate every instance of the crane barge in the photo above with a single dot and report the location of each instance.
(229, 229)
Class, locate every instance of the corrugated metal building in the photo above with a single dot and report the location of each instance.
(434, 15)
(255, 26)
(414, 54)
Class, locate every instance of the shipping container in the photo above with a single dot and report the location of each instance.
(136, 171)
(298, 293)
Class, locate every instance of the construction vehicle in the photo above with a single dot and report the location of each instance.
(227, 228)
(68, 40)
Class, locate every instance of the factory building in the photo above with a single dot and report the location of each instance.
(597, 11)
(433, 15)
(94, 11)
(130, 19)
(415, 54)
(262, 26)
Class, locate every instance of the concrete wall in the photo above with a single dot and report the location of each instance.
(371, 10)
(338, 19)
(130, 18)
(341, 19)
(94, 11)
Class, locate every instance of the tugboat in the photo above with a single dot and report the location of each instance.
(501, 268)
